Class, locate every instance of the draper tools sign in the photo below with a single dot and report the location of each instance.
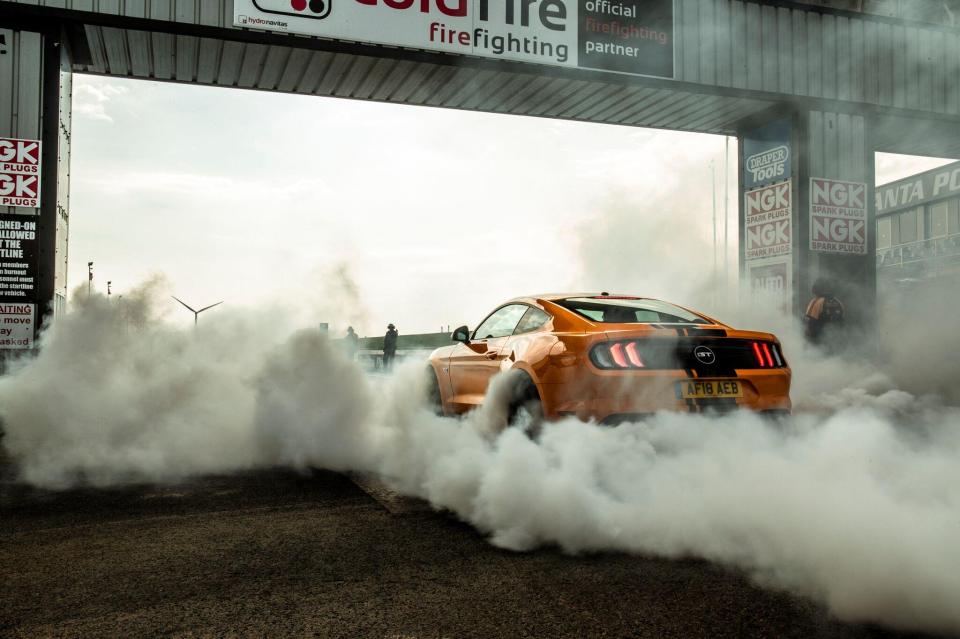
(766, 154)
(838, 216)
(626, 36)
(19, 172)
(18, 280)
(768, 221)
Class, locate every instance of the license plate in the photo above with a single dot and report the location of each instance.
(699, 388)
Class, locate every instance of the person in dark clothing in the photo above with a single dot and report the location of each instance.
(390, 345)
(824, 313)
(352, 342)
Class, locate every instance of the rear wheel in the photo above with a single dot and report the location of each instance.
(434, 398)
(526, 408)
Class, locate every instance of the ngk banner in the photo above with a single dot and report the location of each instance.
(766, 154)
(19, 172)
(626, 36)
(769, 214)
(838, 216)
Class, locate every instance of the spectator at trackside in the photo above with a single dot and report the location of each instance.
(824, 314)
(352, 342)
(389, 346)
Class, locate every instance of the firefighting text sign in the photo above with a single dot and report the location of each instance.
(769, 212)
(838, 216)
(20, 173)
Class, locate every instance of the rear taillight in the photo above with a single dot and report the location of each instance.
(767, 355)
(616, 355)
(666, 354)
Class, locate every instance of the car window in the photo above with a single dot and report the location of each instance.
(630, 310)
(501, 322)
(533, 319)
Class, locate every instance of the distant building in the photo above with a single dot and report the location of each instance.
(918, 227)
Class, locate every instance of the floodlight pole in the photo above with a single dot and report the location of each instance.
(726, 218)
(713, 178)
(89, 277)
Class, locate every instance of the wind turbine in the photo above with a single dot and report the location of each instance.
(196, 314)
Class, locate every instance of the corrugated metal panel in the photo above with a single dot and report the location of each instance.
(343, 75)
(732, 43)
(20, 109)
(208, 60)
(806, 52)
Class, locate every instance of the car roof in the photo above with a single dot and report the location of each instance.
(552, 297)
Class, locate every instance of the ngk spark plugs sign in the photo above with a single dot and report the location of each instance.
(18, 280)
(769, 211)
(626, 36)
(838, 216)
(766, 154)
(19, 172)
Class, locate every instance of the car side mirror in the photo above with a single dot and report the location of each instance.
(461, 334)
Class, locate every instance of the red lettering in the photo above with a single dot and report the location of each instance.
(452, 8)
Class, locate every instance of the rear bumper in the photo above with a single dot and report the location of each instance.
(607, 395)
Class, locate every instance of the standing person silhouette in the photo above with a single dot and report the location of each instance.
(389, 346)
(352, 342)
(824, 314)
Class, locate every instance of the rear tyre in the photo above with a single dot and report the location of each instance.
(526, 408)
(434, 398)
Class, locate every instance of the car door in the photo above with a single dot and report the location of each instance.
(473, 363)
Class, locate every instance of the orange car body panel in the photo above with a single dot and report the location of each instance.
(556, 356)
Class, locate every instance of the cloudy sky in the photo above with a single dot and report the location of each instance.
(353, 212)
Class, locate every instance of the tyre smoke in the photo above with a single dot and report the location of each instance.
(852, 502)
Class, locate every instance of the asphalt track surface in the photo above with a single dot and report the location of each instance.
(276, 554)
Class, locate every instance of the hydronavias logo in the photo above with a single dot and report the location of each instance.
(316, 9)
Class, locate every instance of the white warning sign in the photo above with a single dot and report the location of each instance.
(20, 172)
(770, 284)
(16, 326)
(838, 216)
(769, 213)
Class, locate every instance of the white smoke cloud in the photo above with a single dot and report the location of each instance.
(851, 503)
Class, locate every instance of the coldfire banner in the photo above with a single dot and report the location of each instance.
(18, 280)
(625, 36)
(838, 216)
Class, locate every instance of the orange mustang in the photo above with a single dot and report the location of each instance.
(611, 358)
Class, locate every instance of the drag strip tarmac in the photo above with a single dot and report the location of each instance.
(276, 553)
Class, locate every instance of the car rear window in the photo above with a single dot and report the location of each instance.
(624, 310)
